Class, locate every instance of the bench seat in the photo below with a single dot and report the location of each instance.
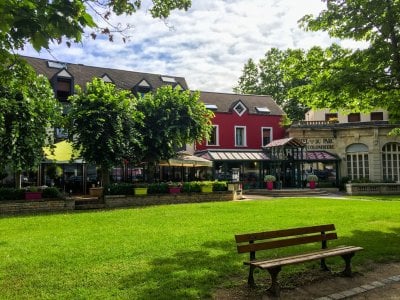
(305, 257)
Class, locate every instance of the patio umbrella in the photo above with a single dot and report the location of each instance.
(184, 159)
(63, 153)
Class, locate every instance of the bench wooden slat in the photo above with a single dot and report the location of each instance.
(286, 242)
(310, 256)
(241, 238)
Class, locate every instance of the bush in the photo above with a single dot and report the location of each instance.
(191, 187)
(11, 194)
(157, 188)
(122, 188)
(51, 192)
(220, 186)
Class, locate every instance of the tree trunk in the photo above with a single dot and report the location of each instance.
(151, 168)
(18, 183)
(105, 176)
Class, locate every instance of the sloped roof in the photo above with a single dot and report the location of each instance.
(82, 74)
(226, 101)
(291, 142)
(249, 155)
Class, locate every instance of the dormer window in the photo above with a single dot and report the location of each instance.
(142, 87)
(239, 108)
(107, 78)
(63, 85)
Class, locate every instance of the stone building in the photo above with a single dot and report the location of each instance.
(361, 143)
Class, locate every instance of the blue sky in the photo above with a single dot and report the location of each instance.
(208, 45)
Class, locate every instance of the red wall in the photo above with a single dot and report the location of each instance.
(253, 123)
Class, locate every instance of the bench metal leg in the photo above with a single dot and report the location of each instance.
(274, 289)
(250, 280)
(324, 267)
(347, 259)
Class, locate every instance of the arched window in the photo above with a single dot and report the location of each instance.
(357, 161)
(390, 162)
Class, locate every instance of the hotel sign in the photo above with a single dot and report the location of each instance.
(319, 143)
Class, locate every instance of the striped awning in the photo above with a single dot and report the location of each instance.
(235, 155)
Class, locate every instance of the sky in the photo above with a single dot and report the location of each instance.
(208, 44)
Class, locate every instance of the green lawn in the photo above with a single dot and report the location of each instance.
(174, 251)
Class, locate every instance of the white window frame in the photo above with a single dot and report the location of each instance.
(216, 136)
(244, 138)
(262, 135)
(357, 161)
(391, 161)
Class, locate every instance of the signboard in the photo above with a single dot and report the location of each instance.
(319, 143)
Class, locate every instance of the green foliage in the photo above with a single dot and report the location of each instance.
(360, 79)
(191, 187)
(42, 22)
(11, 194)
(268, 77)
(172, 119)
(119, 189)
(220, 186)
(51, 192)
(158, 188)
(103, 124)
(54, 171)
(27, 110)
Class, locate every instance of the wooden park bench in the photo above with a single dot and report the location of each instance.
(253, 242)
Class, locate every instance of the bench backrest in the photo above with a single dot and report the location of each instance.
(252, 242)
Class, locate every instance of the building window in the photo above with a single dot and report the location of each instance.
(390, 162)
(331, 117)
(266, 136)
(213, 139)
(357, 161)
(240, 136)
(63, 89)
(377, 116)
(240, 108)
(354, 117)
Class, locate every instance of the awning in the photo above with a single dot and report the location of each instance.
(288, 142)
(63, 152)
(184, 159)
(234, 155)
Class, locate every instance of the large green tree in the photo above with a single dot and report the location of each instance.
(172, 119)
(103, 123)
(360, 79)
(268, 78)
(27, 110)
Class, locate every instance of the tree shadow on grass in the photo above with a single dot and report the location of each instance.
(196, 274)
(185, 275)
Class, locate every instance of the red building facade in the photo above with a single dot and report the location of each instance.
(243, 125)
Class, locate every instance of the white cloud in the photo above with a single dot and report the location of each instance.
(208, 45)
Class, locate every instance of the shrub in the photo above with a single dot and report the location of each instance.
(220, 186)
(51, 192)
(11, 194)
(157, 188)
(191, 187)
(121, 188)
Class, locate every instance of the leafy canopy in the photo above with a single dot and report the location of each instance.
(103, 124)
(355, 80)
(268, 78)
(39, 22)
(172, 119)
(27, 109)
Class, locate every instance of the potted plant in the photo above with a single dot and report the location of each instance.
(33, 193)
(269, 180)
(174, 187)
(312, 179)
(140, 189)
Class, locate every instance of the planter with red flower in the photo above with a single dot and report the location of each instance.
(269, 181)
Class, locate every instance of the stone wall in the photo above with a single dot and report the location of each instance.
(114, 201)
(373, 189)
(23, 206)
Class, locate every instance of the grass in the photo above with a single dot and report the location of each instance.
(174, 251)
